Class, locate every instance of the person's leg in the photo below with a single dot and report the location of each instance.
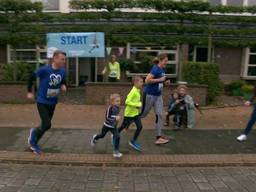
(167, 118)
(126, 123)
(148, 102)
(251, 122)
(51, 109)
(158, 107)
(184, 118)
(138, 123)
(104, 131)
(116, 137)
(46, 113)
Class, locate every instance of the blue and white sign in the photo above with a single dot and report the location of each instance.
(76, 44)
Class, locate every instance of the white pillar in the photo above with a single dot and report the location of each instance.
(224, 2)
(77, 71)
(245, 3)
(64, 6)
(128, 51)
(8, 53)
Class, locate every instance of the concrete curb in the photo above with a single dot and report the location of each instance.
(129, 160)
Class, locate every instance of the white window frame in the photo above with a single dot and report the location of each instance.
(10, 49)
(53, 10)
(247, 64)
(175, 52)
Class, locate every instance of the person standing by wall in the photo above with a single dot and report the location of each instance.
(112, 69)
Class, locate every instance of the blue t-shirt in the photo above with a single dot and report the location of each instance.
(155, 89)
(50, 83)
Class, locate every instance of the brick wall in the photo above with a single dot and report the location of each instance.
(230, 61)
(98, 93)
(92, 93)
(13, 93)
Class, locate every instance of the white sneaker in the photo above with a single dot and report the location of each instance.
(241, 138)
(117, 154)
(93, 141)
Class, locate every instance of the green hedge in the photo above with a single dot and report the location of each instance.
(204, 73)
(24, 70)
(160, 5)
(23, 22)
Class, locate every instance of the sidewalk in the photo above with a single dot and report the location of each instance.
(211, 143)
(92, 116)
(77, 141)
(72, 147)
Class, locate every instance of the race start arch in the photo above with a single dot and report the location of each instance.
(77, 45)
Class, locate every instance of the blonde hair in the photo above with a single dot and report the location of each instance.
(113, 97)
(182, 87)
(159, 58)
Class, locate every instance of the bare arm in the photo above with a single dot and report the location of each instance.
(150, 79)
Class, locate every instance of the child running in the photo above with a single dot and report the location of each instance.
(52, 80)
(111, 120)
(132, 109)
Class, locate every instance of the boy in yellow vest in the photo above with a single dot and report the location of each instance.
(132, 109)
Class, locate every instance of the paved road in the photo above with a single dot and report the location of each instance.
(78, 141)
(42, 178)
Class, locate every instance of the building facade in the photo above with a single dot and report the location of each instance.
(235, 63)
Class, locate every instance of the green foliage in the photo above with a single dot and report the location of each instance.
(206, 74)
(126, 64)
(19, 6)
(24, 70)
(142, 67)
(23, 22)
(247, 91)
(241, 88)
(237, 84)
(247, 88)
(186, 6)
(146, 64)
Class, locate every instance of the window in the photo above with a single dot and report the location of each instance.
(51, 5)
(201, 54)
(215, 2)
(251, 2)
(26, 53)
(140, 55)
(235, 2)
(251, 63)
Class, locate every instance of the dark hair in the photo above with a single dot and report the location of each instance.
(58, 52)
(159, 58)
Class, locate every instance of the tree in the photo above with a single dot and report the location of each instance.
(14, 12)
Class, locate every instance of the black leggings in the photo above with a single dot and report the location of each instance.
(115, 133)
(128, 121)
(46, 113)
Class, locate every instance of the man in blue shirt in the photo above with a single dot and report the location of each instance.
(52, 81)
